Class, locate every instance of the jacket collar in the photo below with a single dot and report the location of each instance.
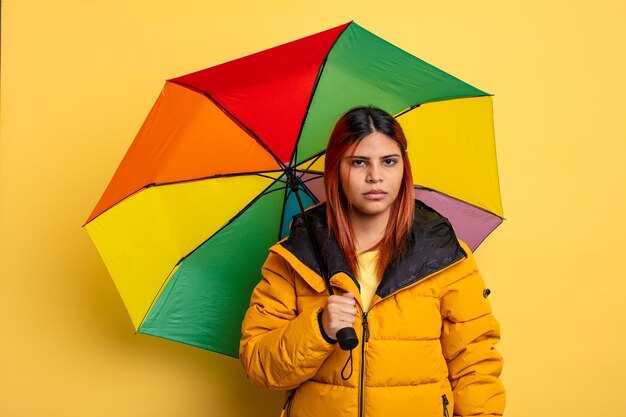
(432, 247)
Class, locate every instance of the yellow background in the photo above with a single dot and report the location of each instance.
(79, 77)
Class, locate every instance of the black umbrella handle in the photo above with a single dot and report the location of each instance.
(346, 337)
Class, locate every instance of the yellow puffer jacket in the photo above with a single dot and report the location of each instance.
(426, 344)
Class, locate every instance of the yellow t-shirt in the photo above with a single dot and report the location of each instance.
(368, 279)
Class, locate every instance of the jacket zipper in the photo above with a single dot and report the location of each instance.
(445, 401)
(287, 407)
(366, 336)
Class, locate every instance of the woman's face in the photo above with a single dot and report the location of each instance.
(371, 175)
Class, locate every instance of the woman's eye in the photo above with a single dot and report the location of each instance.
(390, 162)
(358, 162)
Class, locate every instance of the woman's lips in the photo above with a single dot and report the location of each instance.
(375, 195)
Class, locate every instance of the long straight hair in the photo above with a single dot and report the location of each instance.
(350, 129)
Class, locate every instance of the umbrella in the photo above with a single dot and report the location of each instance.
(207, 185)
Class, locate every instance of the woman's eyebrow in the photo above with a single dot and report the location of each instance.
(367, 158)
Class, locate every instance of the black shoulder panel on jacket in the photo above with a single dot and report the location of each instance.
(301, 246)
(433, 246)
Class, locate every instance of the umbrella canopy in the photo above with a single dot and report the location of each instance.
(186, 220)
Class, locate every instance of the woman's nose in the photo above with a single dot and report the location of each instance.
(374, 174)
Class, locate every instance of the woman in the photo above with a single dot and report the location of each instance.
(407, 285)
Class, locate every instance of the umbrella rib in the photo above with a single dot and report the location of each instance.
(412, 107)
(315, 176)
(236, 120)
(415, 106)
(157, 296)
(305, 189)
(282, 214)
(306, 114)
(309, 192)
(294, 156)
(264, 193)
(314, 160)
(210, 177)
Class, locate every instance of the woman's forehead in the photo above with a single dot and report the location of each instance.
(374, 145)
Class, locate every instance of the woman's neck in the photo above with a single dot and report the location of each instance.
(368, 230)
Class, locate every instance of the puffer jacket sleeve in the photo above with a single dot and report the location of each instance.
(280, 348)
(469, 334)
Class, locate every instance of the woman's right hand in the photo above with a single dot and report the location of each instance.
(340, 312)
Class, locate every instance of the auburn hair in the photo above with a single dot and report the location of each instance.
(350, 129)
